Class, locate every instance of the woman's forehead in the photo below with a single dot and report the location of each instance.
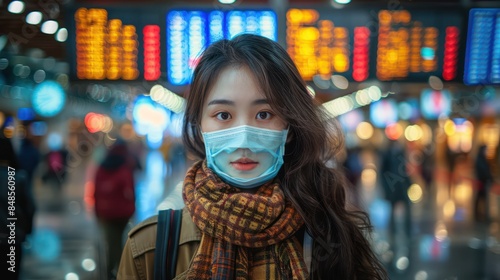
(236, 84)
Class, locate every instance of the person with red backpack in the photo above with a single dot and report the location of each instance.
(114, 197)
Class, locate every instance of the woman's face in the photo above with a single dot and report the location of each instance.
(235, 100)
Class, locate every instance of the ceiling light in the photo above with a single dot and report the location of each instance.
(16, 7)
(62, 35)
(227, 1)
(50, 27)
(34, 18)
(343, 1)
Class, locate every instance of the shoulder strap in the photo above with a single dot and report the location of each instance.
(175, 230)
(167, 241)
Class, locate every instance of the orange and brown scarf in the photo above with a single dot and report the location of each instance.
(245, 235)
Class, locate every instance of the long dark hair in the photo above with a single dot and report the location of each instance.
(317, 191)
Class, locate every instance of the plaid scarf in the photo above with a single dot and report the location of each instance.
(244, 235)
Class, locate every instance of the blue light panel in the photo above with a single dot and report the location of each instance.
(190, 32)
(482, 58)
(433, 103)
(383, 113)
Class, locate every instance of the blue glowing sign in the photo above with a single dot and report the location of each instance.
(350, 120)
(409, 110)
(25, 114)
(190, 32)
(48, 99)
(150, 119)
(433, 249)
(434, 103)
(38, 128)
(482, 58)
(383, 113)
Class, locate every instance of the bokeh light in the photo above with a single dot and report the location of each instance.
(34, 17)
(49, 27)
(449, 209)
(89, 264)
(364, 130)
(167, 98)
(98, 122)
(16, 7)
(415, 193)
(62, 35)
(369, 178)
(394, 131)
(71, 276)
(413, 133)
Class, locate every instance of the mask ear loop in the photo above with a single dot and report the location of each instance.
(290, 135)
(196, 130)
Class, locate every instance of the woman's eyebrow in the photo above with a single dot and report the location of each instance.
(229, 102)
(221, 102)
(260, 102)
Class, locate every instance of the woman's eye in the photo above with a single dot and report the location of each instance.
(223, 116)
(264, 115)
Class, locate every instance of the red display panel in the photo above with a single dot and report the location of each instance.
(152, 63)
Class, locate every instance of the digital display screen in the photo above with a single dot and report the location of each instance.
(482, 60)
(141, 43)
(387, 45)
(106, 48)
(115, 44)
(144, 43)
(190, 32)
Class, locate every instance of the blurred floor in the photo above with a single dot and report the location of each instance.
(65, 243)
(445, 242)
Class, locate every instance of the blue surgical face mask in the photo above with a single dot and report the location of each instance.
(265, 146)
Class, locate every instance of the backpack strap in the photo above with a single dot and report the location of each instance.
(167, 241)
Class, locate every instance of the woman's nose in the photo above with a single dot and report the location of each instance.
(244, 121)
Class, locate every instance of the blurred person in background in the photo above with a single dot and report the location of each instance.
(29, 156)
(16, 192)
(353, 168)
(428, 165)
(55, 162)
(484, 177)
(114, 195)
(395, 182)
(175, 157)
(261, 202)
(453, 161)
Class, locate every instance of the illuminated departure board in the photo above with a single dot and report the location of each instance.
(190, 32)
(387, 45)
(317, 46)
(482, 60)
(146, 43)
(105, 48)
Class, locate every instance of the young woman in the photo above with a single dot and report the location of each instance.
(262, 202)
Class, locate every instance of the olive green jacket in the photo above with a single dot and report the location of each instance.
(137, 261)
